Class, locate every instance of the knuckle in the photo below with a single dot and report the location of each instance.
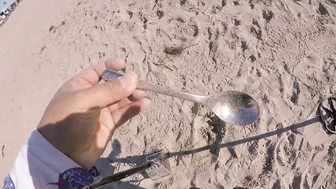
(111, 87)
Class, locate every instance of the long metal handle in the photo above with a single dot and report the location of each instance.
(121, 175)
(142, 85)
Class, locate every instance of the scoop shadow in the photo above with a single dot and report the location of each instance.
(215, 146)
(292, 128)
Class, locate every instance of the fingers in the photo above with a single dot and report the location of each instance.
(106, 119)
(104, 131)
(124, 114)
(105, 94)
(91, 75)
(135, 96)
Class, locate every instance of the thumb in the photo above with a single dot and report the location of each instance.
(104, 94)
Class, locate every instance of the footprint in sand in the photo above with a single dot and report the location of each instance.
(182, 29)
(286, 152)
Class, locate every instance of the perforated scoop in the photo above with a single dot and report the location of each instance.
(327, 114)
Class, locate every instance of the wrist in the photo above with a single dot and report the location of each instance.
(83, 159)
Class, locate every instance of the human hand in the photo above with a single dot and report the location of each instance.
(83, 115)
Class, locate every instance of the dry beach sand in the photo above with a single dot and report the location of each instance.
(282, 52)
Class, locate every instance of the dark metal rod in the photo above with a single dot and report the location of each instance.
(121, 175)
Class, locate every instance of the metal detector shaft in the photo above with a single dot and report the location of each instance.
(121, 175)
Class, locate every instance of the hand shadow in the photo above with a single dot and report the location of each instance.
(106, 168)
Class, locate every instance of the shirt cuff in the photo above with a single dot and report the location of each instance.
(40, 165)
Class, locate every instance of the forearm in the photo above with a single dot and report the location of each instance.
(40, 165)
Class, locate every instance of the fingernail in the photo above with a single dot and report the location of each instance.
(128, 80)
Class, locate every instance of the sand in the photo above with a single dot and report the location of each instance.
(281, 52)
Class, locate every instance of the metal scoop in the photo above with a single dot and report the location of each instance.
(233, 107)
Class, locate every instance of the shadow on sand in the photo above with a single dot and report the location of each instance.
(104, 165)
(293, 127)
(216, 146)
